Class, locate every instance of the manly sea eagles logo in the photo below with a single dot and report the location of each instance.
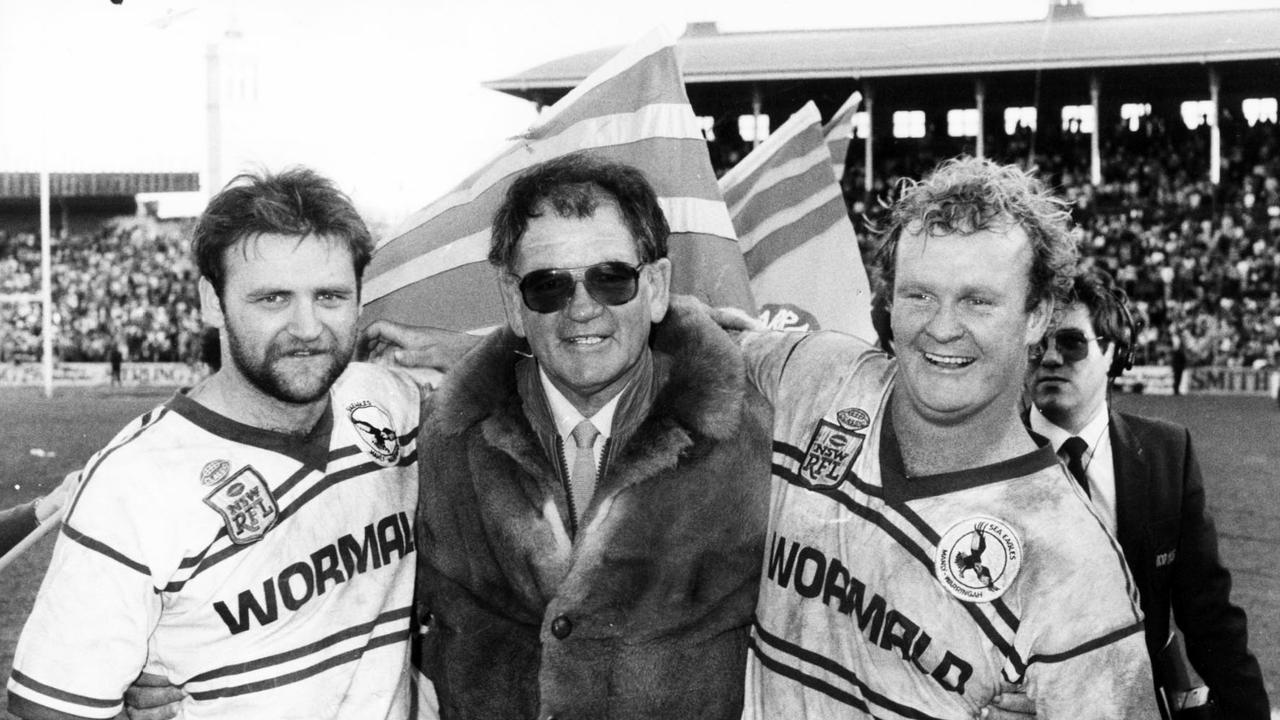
(245, 503)
(978, 558)
(377, 434)
(831, 452)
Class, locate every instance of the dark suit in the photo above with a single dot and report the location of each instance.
(1171, 546)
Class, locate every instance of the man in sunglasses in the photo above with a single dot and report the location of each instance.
(594, 476)
(1143, 479)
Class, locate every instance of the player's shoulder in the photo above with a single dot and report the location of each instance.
(392, 391)
(390, 386)
(821, 358)
(155, 431)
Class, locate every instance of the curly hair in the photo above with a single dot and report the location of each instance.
(572, 186)
(297, 202)
(966, 195)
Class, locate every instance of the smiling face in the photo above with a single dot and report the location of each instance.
(1070, 393)
(588, 350)
(960, 324)
(289, 309)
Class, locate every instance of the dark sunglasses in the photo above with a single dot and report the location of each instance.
(609, 283)
(1073, 345)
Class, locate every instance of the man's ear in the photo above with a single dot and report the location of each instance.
(512, 303)
(658, 276)
(1038, 321)
(210, 305)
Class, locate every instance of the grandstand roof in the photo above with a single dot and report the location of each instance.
(710, 56)
(25, 186)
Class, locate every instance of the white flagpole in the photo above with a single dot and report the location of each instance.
(46, 280)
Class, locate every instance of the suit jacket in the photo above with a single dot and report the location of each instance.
(1171, 546)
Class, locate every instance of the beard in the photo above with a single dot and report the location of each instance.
(272, 375)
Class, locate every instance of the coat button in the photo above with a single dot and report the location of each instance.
(561, 627)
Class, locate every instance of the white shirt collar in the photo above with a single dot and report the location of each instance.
(1091, 433)
(567, 417)
(1098, 460)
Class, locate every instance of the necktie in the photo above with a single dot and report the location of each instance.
(1074, 449)
(582, 480)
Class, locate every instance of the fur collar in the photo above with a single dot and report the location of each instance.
(704, 392)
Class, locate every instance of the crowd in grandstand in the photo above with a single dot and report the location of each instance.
(131, 284)
(1201, 262)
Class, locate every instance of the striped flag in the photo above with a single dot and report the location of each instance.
(839, 131)
(432, 268)
(801, 251)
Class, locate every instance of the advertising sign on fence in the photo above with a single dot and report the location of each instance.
(132, 374)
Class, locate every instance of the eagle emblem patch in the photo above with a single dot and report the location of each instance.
(245, 503)
(377, 435)
(831, 452)
(978, 558)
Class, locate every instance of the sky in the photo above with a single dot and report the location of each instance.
(384, 96)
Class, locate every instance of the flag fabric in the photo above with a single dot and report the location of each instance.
(433, 270)
(839, 131)
(800, 248)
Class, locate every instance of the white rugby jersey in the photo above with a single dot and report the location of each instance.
(892, 597)
(270, 577)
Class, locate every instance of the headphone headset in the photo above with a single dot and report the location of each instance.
(1123, 358)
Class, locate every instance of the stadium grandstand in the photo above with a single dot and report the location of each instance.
(1161, 130)
(121, 276)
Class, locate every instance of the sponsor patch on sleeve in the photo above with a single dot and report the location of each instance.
(978, 558)
(832, 450)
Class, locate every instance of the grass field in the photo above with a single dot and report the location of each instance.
(1237, 438)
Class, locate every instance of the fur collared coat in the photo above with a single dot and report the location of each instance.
(645, 612)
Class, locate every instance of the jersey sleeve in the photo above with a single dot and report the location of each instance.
(1086, 654)
(1110, 680)
(86, 638)
(766, 354)
(791, 366)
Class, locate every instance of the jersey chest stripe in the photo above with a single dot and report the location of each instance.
(62, 695)
(103, 549)
(305, 470)
(329, 481)
(808, 681)
(999, 605)
(812, 658)
(788, 450)
(1094, 644)
(279, 658)
(912, 548)
(393, 638)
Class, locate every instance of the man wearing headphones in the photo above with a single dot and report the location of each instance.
(1143, 478)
